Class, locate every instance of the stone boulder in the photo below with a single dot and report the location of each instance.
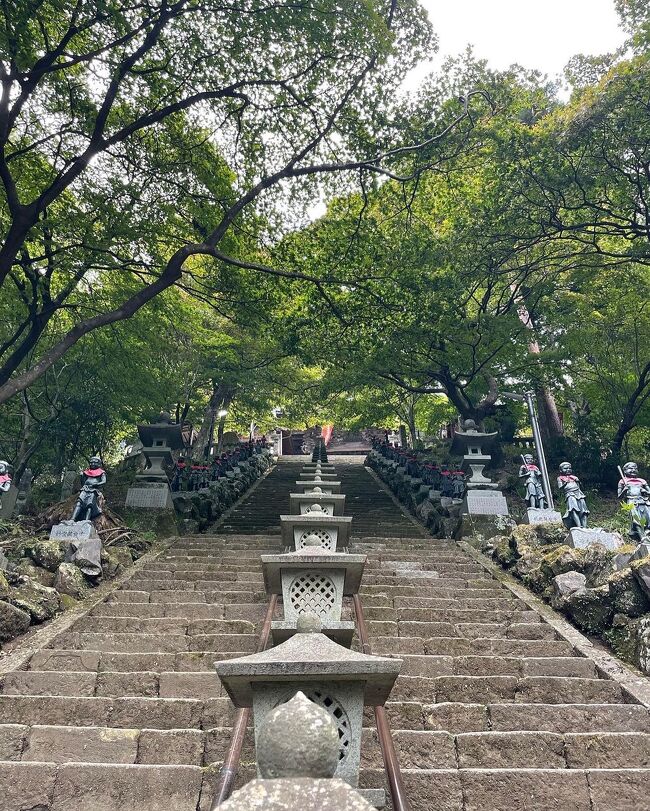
(47, 554)
(4, 587)
(641, 571)
(115, 560)
(568, 583)
(627, 595)
(41, 602)
(13, 621)
(590, 609)
(28, 569)
(70, 581)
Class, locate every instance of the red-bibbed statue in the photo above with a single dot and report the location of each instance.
(534, 494)
(5, 478)
(635, 491)
(575, 506)
(88, 505)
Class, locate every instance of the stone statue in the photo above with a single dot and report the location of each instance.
(568, 484)
(5, 478)
(534, 494)
(458, 484)
(87, 507)
(635, 491)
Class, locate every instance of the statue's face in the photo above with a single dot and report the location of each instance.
(565, 467)
(4, 467)
(631, 469)
(95, 462)
(528, 459)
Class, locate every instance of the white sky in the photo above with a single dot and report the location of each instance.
(535, 34)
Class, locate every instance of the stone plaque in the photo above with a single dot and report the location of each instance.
(582, 538)
(8, 502)
(150, 498)
(73, 531)
(535, 516)
(485, 502)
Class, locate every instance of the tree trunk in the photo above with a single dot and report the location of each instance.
(221, 397)
(549, 417)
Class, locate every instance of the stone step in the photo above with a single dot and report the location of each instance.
(250, 612)
(48, 786)
(491, 689)
(155, 643)
(146, 684)
(123, 712)
(100, 662)
(520, 789)
(172, 625)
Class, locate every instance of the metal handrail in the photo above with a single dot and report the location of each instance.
(391, 763)
(230, 767)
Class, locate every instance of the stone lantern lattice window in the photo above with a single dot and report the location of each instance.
(313, 593)
(333, 708)
(326, 540)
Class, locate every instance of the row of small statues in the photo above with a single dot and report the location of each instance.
(189, 475)
(449, 482)
(632, 490)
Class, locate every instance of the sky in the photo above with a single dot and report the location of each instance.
(540, 35)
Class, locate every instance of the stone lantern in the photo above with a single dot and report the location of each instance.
(309, 475)
(297, 755)
(329, 530)
(313, 581)
(483, 496)
(330, 486)
(159, 440)
(306, 503)
(339, 680)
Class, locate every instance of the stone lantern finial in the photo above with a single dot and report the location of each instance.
(311, 540)
(298, 739)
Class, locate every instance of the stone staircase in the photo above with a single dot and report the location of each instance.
(493, 709)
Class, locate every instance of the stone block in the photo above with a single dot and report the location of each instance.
(618, 790)
(580, 538)
(607, 750)
(541, 789)
(155, 496)
(484, 502)
(26, 786)
(171, 747)
(510, 750)
(456, 718)
(64, 744)
(106, 787)
(536, 516)
(12, 737)
(73, 531)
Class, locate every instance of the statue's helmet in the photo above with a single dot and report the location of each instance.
(630, 468)
(95, 462)
(4, 466)
(529, 458)
(565, 467)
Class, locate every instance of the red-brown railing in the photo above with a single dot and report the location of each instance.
(228, 773)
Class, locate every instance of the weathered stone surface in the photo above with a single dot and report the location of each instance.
(618, 790)
(28, 569)
(40, 602)
(115, 560)
(70, 580)
(64, 744)
(504, 790)
(12, 737)
(47, 554)
(26, 786)
(568, 583)
(627, 594)
(13, 621)
(591, 609)
(581, 538)
(4, 587)
(641, 571)
(297, 794)
(86, 554)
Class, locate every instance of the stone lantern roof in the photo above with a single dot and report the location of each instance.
(341, 523)
(312, 558)
(309, 657)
